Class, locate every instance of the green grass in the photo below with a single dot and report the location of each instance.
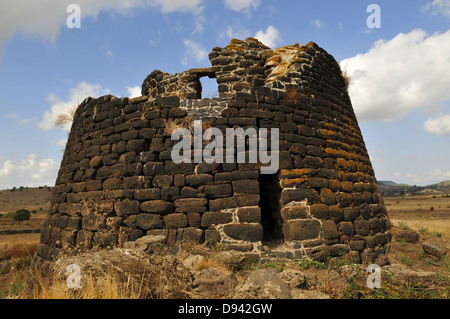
(402, 241)
(307, 263)
(403, 225)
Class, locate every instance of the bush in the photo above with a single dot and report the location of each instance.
(22, 214)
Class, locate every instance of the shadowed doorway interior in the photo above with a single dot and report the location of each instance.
(270, 193)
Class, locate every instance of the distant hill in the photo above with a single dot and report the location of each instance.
(442, 187)
(390, 188)
(388, 183)
(441, 184)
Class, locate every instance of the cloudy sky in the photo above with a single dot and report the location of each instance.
(400, 68)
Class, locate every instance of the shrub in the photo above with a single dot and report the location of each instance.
(403, 225)
(22, 214)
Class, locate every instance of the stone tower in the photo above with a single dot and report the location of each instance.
(118, 181)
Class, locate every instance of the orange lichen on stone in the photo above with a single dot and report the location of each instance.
(287, 183)
(342, 164)
(338, 153)
(293, 173)
(236, 44)
(327, 133)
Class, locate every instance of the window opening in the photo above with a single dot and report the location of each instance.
(209, 87)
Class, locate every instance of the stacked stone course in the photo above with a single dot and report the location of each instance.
(117, 180)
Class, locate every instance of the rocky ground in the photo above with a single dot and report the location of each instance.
(418, 268)
(418, 264)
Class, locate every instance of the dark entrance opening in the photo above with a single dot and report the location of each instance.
(270, 193)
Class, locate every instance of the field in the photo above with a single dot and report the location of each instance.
(424, 213)
(33, 199)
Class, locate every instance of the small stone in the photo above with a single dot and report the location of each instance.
(411, 236)
(434, 250)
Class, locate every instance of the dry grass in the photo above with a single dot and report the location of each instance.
(171, 125)
(65, 119)
(112, 286)
(347, 79)
(17, 250)
(209, 263)
(421, 213)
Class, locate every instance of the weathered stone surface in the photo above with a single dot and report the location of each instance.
(249, 214)
(413, 277)
(191, 205)
(329, 229)
(298, 195)
(246, 187)
(320, 211)
(301, 229)
(223, 203)
(193, 235)
(144, 221)
(126, 207)
(216, 218)
(264, 284)
(157, 207)
(198, 180)
(294, 278)
(434, 250)
(294, 212)
(411, 236)
(147, 194)
(217, 191)
(215, 282)
(175, 221)
(245, 232)
(94, 222)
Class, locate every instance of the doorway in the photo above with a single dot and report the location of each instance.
(270, 194)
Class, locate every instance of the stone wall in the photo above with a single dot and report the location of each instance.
(117, 180)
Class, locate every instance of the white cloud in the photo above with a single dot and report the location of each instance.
(109, 54)
(77, 95)
(439, 125)
(45, 17)
(270, 37)
(20, 122)
(242, 5)
(318, 24)
(395, 77)
(31, 171)
(134, 91)
(426, 177)
(26, 121)
(60, 142)
(169, 6)
(438, 7)
(235, 32)
(199, 23)
(194, 51)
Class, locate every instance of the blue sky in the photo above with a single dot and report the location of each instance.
(400, 72)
